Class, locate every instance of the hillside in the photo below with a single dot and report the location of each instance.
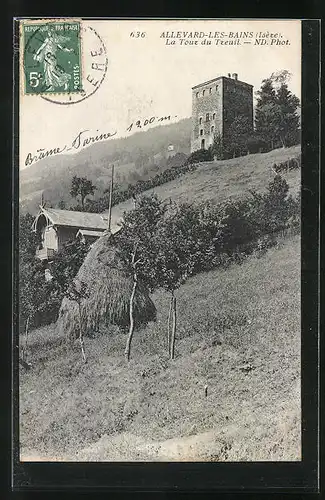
(238, 335)
(217, 181)
(140, 155)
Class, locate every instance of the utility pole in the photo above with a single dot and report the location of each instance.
(110, 200)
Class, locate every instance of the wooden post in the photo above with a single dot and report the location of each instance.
(171, 304)
(134, 288)
(131, 328)
(81, 338)
(172, 345)
(24, 350)
(110, 200)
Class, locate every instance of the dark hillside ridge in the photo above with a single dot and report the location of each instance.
(141, 155)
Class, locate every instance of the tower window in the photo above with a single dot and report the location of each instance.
(201, 131)
(200, 121)
(203, 92)
(207, 117)
(214, 116)
(210, 90)
(216, 88)
(212, 129)
(197, 95)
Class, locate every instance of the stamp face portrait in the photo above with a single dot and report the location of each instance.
(52, 57)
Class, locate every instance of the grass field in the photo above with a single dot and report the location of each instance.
(231, 394)
(220, 180)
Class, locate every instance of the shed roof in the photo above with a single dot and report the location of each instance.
(70, 218)
(89, 232)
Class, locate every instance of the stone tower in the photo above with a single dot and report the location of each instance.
(215, 104)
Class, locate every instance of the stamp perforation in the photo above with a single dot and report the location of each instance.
(49, 59)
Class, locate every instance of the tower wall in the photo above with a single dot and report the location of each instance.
(206, 102)
(222, 99)
(237, 101)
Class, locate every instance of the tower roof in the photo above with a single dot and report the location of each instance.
(220, 78)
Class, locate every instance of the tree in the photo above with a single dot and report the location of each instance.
(287, 119)
(217, 147)
(237, 136)
(266, 94)
(177, 160)
(276, 118)
(28, 239)
(136, 249)
(279, 77)
(83, 187)
(171, 271)
(28, 266)
(77, 292)
(277, 205)
(264, 112)
(30, 296)
(40, 300)
(267, 121)
(179, 243)
(34, 291)
(61, 205)
(162, 245)
(134, 263)
(67, 262)
(273, 210)
(141, 161)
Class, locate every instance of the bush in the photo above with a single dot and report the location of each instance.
(177, 160)
(120, 195)
(229, 232)
(39, 299)
(202, 237)
(200, 155)
(66, 264)
(256, 144)
(291, 164)
(276, 210)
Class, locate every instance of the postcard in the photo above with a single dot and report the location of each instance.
(159, 240)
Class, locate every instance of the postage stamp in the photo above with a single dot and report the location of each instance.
(52, 57)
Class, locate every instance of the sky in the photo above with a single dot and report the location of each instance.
(145, 77)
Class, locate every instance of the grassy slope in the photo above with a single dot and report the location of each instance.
(216, 181)
(109, 411)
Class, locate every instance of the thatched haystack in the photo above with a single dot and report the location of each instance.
(109, 291)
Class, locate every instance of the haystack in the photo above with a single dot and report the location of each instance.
(109, 289)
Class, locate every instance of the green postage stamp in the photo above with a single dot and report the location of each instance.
(51, 57)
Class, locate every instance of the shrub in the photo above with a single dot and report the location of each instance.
(66, 264)
(39, 299)
(200, 155)
(291, 164)
(120, 195)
